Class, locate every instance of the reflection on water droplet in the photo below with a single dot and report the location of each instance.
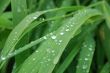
(33, 59)
(35, 17)
(84, 67)
(56, 60)
(45, 37)
(18, 10)
(86, 59)
(67, 29)
(53, 37)
(36, 51)
(2, 58)
(61, 33)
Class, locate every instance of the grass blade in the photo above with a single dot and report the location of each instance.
(35, 63)
(86, 55)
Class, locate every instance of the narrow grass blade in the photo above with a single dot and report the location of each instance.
(19, 10)
(5, 23)
(3, 5)
(51, 50)
(106, 68)
(86, 55)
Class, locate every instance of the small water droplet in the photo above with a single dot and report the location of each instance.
(34, 17)
(14, 39)
(61, 33)
(3, 58)
(33, 59)
(88, 55)
(86, 59)
(67, 29)
(53, 37)
(71, 25)
(48, 59)
(84, 67)
(18, 10)
(60, 41)
(45, 37)
(36, 51)
(56, 60)
(53, 51)
(90, 49)
(15, 32)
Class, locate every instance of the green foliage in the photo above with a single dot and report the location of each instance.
(54, 36)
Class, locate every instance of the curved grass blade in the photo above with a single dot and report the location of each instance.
(51, 50)
(3, 5)
(106, 10)
(106, 68)
(86, 55)
(5, 23)
(17, 34)
(19, 10)
(77, 44)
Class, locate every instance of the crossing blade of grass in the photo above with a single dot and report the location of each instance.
(106, 10)
(105, 40)
(47, 55)
(32, 5)
(17, 34)
(56, 24)
(68, 60)
(100, 55)
(16, 52)
(3, 5)
(77, 47)
(8, 15)
(86, 55)
(5, 23)
(106, 68)
(19, 10)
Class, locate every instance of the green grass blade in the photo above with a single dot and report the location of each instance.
(106, 68)
(19, 10)
(15, 35)
(3, 5)
(106, 10)
(51, 49)
(5, 23)
(86, 55)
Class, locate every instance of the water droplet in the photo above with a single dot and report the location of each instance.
(60, 41)
(34, 17)
(67, 29)
(53, 37)
(15, 32)
(84, 67)
(18, 10)
(45, 37)
(33, 59)
(88, 55)
(36, 51)
(86, 59)
(53, 51)
(90, 49)
(48, 59)
(3, 58)
(71, 25)
(14, 39)
(56, 60)
(48, 50)
(61, 33)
